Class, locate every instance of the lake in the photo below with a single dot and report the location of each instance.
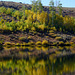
(37, 61)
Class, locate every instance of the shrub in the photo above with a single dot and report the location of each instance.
(58, 38)
(61, 47)
(71, 43)
(31, 43)
(60, 29)
(39, 43)
(38, 48)
(54, 43)
(67, 43)
(45, 42)
(17, 44)
(7, 43)
(24, 44)
(35, 32)
(41, 27)
(3, 10)
(61, 43)
(1, 40)
(53, 28)
(29, 37)
(47, 36)
(51, 31)
(33, 29)
(73, 39)
(44, 48)
(9, 11)
(51, 34)
(12, 43)
(22, 38)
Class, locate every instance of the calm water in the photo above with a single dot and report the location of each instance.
(38, 61)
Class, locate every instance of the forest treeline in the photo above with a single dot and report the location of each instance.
(36, 20)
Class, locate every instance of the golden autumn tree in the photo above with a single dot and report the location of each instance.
(42, 17)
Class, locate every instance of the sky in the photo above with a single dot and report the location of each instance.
(65, 3)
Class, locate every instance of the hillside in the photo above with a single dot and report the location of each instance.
(18, 6)
(35, 41)
(23, 27)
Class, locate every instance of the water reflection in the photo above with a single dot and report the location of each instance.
(35, 66)
(23, 51)
(39, 61)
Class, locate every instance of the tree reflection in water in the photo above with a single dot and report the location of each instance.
(51, 61)
(35, 66)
